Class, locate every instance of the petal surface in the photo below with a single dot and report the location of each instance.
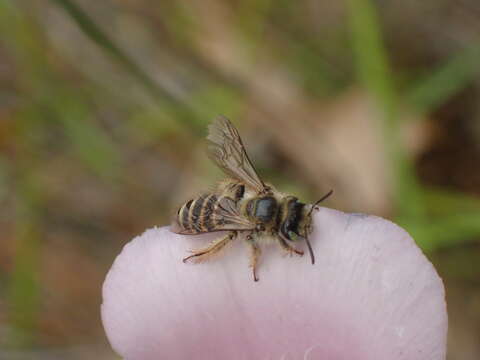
(371, 294)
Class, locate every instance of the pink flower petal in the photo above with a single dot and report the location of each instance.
(371, 295)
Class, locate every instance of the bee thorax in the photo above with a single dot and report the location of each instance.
(262, 209)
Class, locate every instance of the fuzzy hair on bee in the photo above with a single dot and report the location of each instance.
(243, 205)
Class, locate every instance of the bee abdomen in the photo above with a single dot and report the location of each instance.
(196, 214)
(207, 215)
(183, 215)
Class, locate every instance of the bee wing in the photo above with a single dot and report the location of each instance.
(227, 151)
(222, 217)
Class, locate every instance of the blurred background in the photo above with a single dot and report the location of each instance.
(104, 107)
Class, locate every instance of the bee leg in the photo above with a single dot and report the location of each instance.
(217, 245)
(254, 255)
(289, 249)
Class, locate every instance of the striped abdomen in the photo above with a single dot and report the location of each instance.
(197, 215)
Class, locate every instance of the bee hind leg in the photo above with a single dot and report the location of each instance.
(254, 255)
(212, 249)
(288, 248)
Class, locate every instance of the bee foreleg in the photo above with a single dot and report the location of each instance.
(289, 249)
(254, 255)
(217, 245)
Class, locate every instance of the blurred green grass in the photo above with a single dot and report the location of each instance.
(436, 218)
(374, 71)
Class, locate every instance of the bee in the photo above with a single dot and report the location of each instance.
(243, 205)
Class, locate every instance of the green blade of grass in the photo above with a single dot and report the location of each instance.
(444, 231)
(374, 73)
(23, 286)
(94, 33)
(453, 218)
(88, 141)
(99, 37)
(370, 57)
(443, 202)
(448, 79)
(22, 291)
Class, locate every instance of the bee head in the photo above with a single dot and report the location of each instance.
(297, 217)
(297, 223)
(292, 211)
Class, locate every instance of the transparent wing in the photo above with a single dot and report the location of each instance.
(225, 215)
(227, 151)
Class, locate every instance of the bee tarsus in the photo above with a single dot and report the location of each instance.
(288, 248)
(216, 246)
(255, 253)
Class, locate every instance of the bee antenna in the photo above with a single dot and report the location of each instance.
(310, 250)
(324, 197)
